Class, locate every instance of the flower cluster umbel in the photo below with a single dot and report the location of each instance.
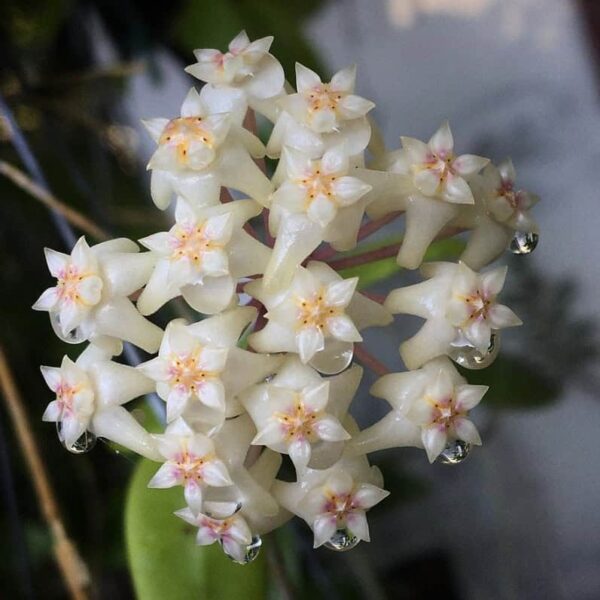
(266, 368)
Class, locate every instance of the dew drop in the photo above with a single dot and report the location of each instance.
(455, 452)
(342, 540)
(251, 552)
(335, 358)
(524, 243)
(472, 358)
(83, 444)
(76, 336)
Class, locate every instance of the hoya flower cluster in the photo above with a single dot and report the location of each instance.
(265, 369)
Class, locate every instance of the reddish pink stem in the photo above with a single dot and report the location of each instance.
(250, 125)
(260, 321)
(269, 239)
(369, 361)
(375, 297)
(385, 251)
(327, 252)
(240, 286)
(372, 226)
(324, 253)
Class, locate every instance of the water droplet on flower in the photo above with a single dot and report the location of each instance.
(455, 452)
(334, 358)
(83, 444)
(342, 540)
(472, 358)
(251, 552)
(73, 337)
(524, 243)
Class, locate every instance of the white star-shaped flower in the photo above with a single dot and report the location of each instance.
(435, 189)
(252, 474)
(317, 309)
(318, 202)
(460, 307)
(507, 204)
(202, 256)
(246, 75)
(322, 115)
(319, 188)
(334, 499)
(190, 461)
(500, 211)
(429, 409)
(299, 410)
(201, 151)
(199, 367)
(90, 298)
(222, 525)
(89, 395)
(437, 172)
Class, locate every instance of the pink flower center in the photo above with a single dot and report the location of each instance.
(65, 396)
(297, 422)
(444, 412)
(220, 528)
(67, 286)
(441, 163)
(514, 198)
(189, 467)
(340, 506)
(478, 305)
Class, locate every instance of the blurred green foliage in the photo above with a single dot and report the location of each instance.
(216, 24)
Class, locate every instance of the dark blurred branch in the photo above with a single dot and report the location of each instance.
(47, 199)
(116, 71)
(22, 147)
(7, 488)
(70, 563)
(366, 359)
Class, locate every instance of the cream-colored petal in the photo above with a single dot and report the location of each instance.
(442, 140)
(431, 341)
(117, 425)
(425, 218)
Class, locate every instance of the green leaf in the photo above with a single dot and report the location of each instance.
(377, 271)
(164, 560)
(514, 384)
(206, 25)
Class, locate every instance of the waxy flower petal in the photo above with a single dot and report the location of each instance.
(311, 312)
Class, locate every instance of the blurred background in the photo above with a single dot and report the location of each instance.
(519, 518)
